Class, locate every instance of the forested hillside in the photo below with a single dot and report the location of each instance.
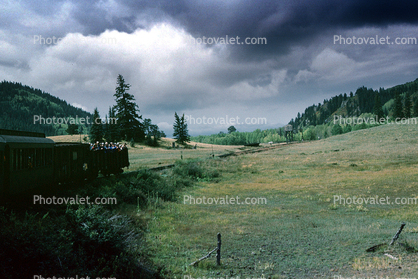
(362, 101)
(316, 122)
(20, 103)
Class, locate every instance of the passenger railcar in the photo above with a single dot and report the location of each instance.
(29, 160)
(27, 163)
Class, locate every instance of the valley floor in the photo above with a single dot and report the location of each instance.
(301, 228)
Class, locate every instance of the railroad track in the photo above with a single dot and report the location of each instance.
(236, 153)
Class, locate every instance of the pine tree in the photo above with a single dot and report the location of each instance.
(156, 134)
(377, 109)
(181, 134)
(336, 129)
(111, 127)
(398, 110)
(72, 129)
(407, 105)
(415, 108)
(127, 112)
(231, 129)
(96, 129)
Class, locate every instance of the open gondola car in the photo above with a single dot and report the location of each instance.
(70, 161)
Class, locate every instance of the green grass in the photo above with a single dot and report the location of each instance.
(141, 157)
(299, 233)
(94, 240)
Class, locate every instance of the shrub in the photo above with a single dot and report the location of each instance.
(84, 240)
(154, 186)
(337, 129)
(347, 129)
(360, 126)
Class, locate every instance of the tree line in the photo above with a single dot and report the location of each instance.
(20, 103)
(316, 121)
(398, 102)
(123, 121)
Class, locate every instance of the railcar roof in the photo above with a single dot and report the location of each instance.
(71, 144)
(18, 139)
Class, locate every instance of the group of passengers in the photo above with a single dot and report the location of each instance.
(107, 146)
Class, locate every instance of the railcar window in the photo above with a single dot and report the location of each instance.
(19, 159)
(13, 155)
(13, 159)
(43, 157)
(30, 158)
(48, 156)
(2, 164)
(37, 158)
(24, 158)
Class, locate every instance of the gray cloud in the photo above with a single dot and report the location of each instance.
(150, 44)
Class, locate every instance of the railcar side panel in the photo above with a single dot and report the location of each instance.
(28, 163)
(70, 161)
(2, 163)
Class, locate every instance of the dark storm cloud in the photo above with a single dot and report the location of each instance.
(299, 66)
(283, 23)
(287, 23)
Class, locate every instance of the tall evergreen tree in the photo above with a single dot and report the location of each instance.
(407, 105)
(96, 129)
(111, 127)
(231, 129)
(127, 112)
(72, 129)
(398, 110)
(377, 109)
(415, 108)
(181, 133)
(155, 133)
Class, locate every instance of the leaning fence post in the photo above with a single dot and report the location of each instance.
(218, 252)
(397, 234)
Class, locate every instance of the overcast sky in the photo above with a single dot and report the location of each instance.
(157, 46)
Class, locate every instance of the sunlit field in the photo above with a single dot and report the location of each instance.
(300, 232)
(142, 156)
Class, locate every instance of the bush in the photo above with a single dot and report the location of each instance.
(154, 186)
(84, 240)
(337, 129)
(347, 129)
(360, 126)
(194, 170)
(310, 134)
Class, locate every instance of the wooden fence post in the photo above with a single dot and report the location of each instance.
(218, 252)
(397, 234)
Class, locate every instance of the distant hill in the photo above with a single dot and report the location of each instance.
(354, 104)
(317, 120)
(20, 103)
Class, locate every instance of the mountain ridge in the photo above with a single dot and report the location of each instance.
(19, 104)
(354, 104)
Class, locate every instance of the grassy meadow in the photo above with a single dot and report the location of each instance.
(142, 156)
(300, 232)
